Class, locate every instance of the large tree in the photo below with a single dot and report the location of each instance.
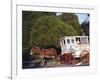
(47, 30)
(71, 19)
(28, 20)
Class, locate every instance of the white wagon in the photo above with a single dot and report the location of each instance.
(74, 45)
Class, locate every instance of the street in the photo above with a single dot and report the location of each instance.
(49, 65)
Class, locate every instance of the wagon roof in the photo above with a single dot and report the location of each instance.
(70, 37)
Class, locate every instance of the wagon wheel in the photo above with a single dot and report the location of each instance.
(66, 60)
(84, 57)
(69, 59)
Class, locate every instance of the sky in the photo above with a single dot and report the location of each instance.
(81, 17)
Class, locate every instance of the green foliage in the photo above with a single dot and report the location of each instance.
(28, 20)
(48, 30)
(71, 19)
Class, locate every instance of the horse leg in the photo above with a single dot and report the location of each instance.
(54, 60)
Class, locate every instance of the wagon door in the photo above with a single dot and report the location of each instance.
(71, 44)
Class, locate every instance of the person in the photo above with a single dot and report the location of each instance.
(78, 42)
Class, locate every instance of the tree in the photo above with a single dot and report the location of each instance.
(85, 26)
(47, 31)
(28, 20)
(71, 19)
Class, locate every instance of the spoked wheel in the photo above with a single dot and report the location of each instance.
(69, 59)
(84, 57)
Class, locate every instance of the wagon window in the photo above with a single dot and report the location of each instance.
(64, 42)
(68, 41)
(78, 40)
(84, 40)
(72, 40)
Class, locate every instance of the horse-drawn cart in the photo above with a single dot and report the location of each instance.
(74, 51)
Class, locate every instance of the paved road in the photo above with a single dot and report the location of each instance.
(63, 65)
(57, 65)
(52, 65)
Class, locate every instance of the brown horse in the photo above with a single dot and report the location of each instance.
(51, 52)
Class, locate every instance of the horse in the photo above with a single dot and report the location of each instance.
(51, 52)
